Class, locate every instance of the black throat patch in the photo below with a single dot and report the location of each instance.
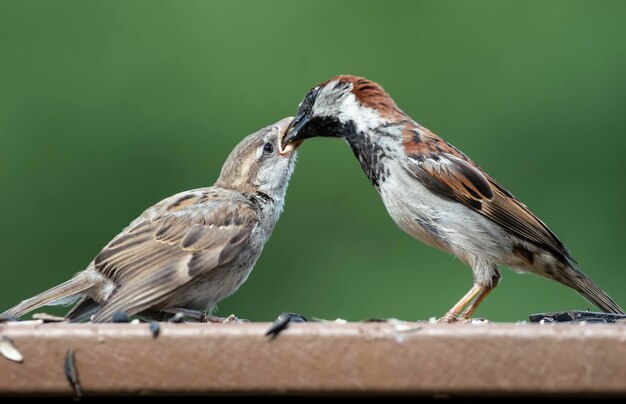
(370, 154)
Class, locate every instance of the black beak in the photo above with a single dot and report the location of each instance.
(296, 131)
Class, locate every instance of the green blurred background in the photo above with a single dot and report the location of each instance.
(106, 107)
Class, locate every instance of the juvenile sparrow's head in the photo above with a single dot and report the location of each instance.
(339, 107)
(256, 165)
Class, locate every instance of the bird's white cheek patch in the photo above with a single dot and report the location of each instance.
(363, 117)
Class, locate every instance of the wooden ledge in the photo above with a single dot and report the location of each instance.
(319, 358)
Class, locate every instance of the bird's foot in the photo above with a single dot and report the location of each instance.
(232, 319)
(180, 313)
(469, 302)
(462, 320)
(448, 319)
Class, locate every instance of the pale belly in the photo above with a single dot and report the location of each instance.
(443, 223)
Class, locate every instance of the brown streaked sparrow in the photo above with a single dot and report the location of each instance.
(437, 194)
(190, 250)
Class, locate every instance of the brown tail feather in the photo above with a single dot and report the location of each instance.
(589, 290)
(67, 289)
(83, 310)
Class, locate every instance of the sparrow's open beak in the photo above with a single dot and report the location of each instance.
(283, 126)
(294, 135)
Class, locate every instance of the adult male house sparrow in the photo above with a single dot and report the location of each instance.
(437, 194)
(190, 250)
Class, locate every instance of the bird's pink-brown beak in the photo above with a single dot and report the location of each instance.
(284, 125)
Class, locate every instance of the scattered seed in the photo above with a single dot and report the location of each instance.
(282, 322)
(9, 351)
(375, 320)
(72, 374)
(48, 318)
(155, 329)
(26, 322)
(120, 317)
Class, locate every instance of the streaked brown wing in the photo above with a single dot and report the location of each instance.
(455, 176)
(155, 257)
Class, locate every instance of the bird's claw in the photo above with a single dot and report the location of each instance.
(232, 319)
(462, 320)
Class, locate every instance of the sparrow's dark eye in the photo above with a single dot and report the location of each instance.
(268, 148)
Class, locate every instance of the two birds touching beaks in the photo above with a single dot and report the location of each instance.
(195, 248)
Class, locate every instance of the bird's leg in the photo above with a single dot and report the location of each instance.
(453, 313)
(473, 305)
(471, 300)
(484, 291)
